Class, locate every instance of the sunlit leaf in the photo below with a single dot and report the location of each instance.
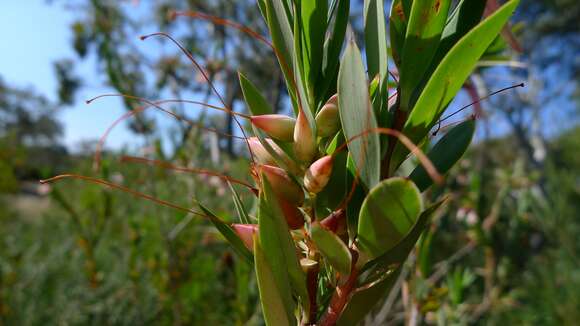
(387, 214)
(375, 38)
(445, 153)
(422, 36)
(449, 76)
(357, 116)
(257, 104)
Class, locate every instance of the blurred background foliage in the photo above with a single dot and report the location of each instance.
(505, 249)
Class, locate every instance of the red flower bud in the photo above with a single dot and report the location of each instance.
(318, 174)
(276, 126)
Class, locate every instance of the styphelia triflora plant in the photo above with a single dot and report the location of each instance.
(336, 217)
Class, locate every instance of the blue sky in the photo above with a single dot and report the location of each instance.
(34, 35)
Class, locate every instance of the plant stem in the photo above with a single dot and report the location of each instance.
(341, 296)
(312, 283)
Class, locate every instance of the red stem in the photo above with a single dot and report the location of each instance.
(341, 296)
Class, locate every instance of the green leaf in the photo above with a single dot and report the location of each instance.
(387, 214)
(356, 200)
(398, 19)
(464, 17)
(280, 27)
(332, 48)
(375, 38)
(229, 234)
(445, 153)
(449, 76)
(357, 116)
(332, 248)
(422, 37)
(397, 255)
(273, 304)
(279, 247)
(257, 104)
(364, 299)
(240, 209)
(313, 18)
(424, 254)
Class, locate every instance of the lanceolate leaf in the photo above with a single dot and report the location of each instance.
(445, 153)
(449, 76)
(257, 104)
(357, 116)
(332, 248)
(363, 300)
(280, 28)
(240, 209)
(387, 214)
(275, 310)
(423, 33)
(279, 248)
(229, 234)
(314, 17)
(332, 47)
(464, 17)
(399, 17)
(375, 38)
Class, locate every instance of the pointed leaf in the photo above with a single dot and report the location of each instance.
(229, 234)
(240, 209)
(313, 17)
(332, 248)
(357, 116)
(257, 104)
(273, 304)
(422, 37)
(398, 19)
(332, 48)
(449, 76)
(387, 214)
(445, 153)
(364, 299)
(375, 38)
(280, 27)
(279, 247)
(464, 17)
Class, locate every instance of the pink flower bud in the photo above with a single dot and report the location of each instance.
(246, 233)
(304, 141)
(327, 119)
(261, 155)
(318, 174)
(276, 126)
(283, 186)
